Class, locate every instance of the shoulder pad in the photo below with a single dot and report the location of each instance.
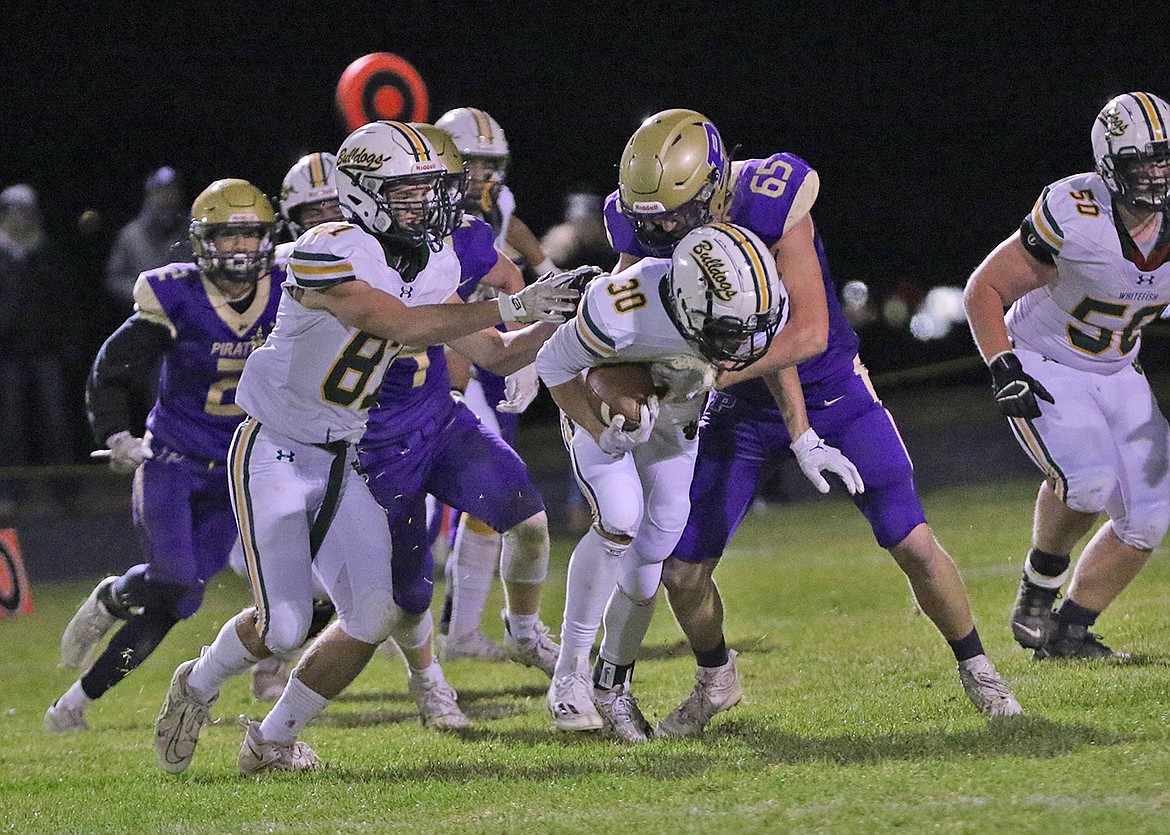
(1060, 205)
(324, 255)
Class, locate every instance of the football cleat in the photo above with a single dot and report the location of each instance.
(716, 689)
(539, 651)
(986, 690)
(87, 628)
(1070, 640)
(570, 701)
(257, 754)
(1032, 616)
(269, 677)
(60, 719)
(473, 644)
(438, 704)
(622, 718)
(182, 717)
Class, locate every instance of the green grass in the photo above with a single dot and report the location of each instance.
(854, 719)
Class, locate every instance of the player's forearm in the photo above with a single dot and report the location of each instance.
(793, 345)
(984, 308)
(428, 324)
(124, 365)
(789, 396)
(572, 398)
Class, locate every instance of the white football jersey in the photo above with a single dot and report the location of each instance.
(621, 318)
(315, 379)
(1091, 318)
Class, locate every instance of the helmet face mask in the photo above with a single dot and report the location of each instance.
(454, 185)
(1131, 146)
(391, 182)
(673, 177)
(232, 231)
(723, 294)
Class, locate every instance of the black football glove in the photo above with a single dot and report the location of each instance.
(1015, 391)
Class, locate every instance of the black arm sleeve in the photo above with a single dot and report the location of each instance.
(121, 373)
(1036, 247)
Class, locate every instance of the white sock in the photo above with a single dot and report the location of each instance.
(224, 659)
(295, 708)
(523, 627)
(74, 698)
(626, 623)
(470, 569)
(431, 675)
(593, 572)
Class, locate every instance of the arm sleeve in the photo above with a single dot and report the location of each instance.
(121, 370)
(563, 357)
(1040, 231)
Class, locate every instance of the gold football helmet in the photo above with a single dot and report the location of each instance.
(455, 184)
(673, 176)
(232, 207)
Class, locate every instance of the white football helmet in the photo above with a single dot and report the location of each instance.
(309, 181)
(1131, 146)
(723, 293)
(481, 141)
(390, 181)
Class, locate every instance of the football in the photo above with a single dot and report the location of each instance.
(620, 389)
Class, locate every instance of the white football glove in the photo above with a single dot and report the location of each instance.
(615, 441)
(551, 299)
(814, 455)
(127, 452)
(520, 389)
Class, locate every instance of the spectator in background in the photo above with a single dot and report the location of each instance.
(157, 236)
(37, 329)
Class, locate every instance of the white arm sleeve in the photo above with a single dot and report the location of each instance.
(563, 357)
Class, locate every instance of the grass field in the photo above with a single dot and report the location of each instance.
(854, 719)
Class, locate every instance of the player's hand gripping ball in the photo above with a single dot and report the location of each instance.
(620, 389)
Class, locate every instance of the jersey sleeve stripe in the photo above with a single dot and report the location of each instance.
(1047, 229)
(750, 251)
(302, 255)
(322, 269)
(318, 283)
(591, 337)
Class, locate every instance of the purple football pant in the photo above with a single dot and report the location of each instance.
(183, 514)
(737, 437)
(462, 464)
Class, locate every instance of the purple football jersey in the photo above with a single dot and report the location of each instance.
(474, 244)
(196, 412)
(764, 210)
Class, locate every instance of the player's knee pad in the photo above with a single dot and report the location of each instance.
(413, 631)
(640, 583)
(285, 628)
(374, 623)
(1144, 525)
(1088, 491)
(524, 554)
(415, 598)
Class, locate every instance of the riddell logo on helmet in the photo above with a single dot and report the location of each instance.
(360, 159)
(714, 271)
(1114, 124)
(244, 217)
(648, 206)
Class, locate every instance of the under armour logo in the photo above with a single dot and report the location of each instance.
(1145, 279)
(405, 291)
(281, 455)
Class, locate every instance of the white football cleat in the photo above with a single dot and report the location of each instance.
(268, 679)
(473, 644)
(539, 650)
(716, 689)
(438, 704)
(182, 717)
(986, 690)
(61, 720)
(622, 717)
(88, 626)
(257, 754)
(570, 701)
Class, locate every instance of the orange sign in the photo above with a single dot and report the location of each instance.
(15, 592)
(381, 85)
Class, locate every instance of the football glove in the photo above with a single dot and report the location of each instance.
(127, 452)
(553, 298)
(814, 455)
(520, 389)
(615, 441)
(1015, 391)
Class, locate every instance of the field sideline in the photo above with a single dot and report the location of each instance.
(854, 719)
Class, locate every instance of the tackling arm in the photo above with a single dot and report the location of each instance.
(1005, 275)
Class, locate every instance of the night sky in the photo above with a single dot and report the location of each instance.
(933, 130)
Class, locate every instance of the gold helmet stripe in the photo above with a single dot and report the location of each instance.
(483, 125)
(1153, 117)
(749, 248)
(316, 170)
(417, 143)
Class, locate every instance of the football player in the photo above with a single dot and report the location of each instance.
(718, 303)
(674, 174)
(300, 503)
(483, 149)
(1087, 269)
(202, 320)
